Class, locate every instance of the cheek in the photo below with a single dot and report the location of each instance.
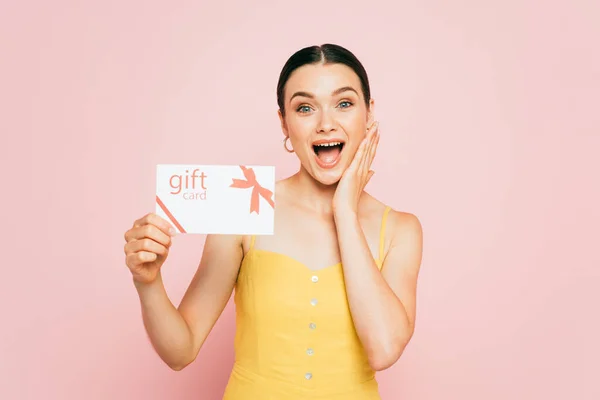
(355, 126)
(300, 129)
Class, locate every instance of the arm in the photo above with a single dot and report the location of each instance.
(177, 334)
(382, 304)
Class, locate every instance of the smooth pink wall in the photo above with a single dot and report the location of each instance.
(490, 134)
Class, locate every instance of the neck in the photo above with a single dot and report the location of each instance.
(311, 193)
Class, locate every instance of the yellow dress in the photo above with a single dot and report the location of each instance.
(295, 338)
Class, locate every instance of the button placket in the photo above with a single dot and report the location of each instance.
(311, 327)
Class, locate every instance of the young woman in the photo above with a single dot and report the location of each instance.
(331, 297)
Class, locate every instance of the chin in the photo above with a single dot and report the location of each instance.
(327, 178)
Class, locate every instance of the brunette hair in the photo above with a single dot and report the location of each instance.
(327, 54)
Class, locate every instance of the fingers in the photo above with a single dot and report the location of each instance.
(150, 232)
(363, 149)
(135, 259)
(156, 220)
(372, 150)
(146, 245)
(358, 156)
(139, 252)
(149, 238)
(369, 154)
(370, 174)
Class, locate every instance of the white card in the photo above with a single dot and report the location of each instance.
(217, 199)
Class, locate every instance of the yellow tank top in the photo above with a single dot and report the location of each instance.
(295, 338)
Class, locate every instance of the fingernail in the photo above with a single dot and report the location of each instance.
(172, 232)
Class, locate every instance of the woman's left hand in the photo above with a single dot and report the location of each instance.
(357, 175)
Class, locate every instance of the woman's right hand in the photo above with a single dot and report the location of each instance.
(147, 247)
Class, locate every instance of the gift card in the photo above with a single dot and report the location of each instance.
(217, 199)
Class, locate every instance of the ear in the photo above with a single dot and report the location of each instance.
(283, 124)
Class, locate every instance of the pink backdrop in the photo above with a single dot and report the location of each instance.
(490, 134)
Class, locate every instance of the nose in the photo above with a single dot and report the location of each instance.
(326, 123)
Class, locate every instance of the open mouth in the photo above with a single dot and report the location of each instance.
(328, 153)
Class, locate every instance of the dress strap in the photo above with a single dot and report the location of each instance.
(382, 232)
(252, 238)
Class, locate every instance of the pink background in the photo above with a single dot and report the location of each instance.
(490, 134)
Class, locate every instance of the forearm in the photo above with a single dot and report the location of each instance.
(380, 319)
(167, 329)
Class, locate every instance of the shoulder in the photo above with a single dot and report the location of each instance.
(405, 249)
(398, 223)
(403, 230)
(404, 224)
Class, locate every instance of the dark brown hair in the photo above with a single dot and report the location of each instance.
(327, 54)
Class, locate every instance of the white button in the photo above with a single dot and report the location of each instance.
(310, 352)
(315, 278)
(312, 325)
(308, 375)
(313, 302)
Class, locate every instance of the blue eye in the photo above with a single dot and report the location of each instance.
(349, 104)
(303, 109)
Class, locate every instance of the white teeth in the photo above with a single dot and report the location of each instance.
(329, 144)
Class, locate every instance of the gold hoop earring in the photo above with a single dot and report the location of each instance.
(285, 145)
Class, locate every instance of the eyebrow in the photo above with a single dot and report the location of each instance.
(334, 93)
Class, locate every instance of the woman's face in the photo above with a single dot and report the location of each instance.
(325, 118)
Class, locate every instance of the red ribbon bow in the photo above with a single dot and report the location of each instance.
(257, 190)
